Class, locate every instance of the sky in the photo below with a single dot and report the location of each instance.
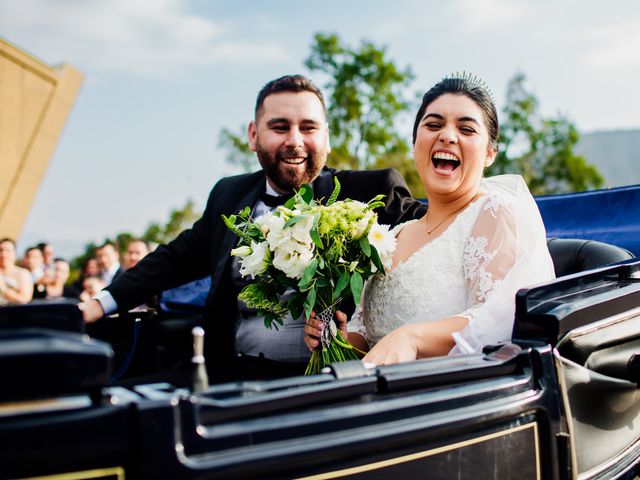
(163, 77)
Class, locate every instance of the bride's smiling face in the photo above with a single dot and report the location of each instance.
(452, 147)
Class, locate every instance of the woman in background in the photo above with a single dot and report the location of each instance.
(16, 284)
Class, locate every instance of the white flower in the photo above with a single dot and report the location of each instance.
(272, 227)
(257, 262)
(360, 227)
(384, 241)
(292, 258)
(301, 230)
(241, 251)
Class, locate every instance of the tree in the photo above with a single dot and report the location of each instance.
(179, 220)
(540, 149)
(236, 145)
(364, 92)
(365, 96)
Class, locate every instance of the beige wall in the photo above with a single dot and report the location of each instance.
(35, 100)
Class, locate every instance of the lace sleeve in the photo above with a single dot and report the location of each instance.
(505, 252)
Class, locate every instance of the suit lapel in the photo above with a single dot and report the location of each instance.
(248, 199)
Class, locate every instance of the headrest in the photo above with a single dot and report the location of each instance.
(572, 255)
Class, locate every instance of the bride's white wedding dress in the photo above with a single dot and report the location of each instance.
(494, 247)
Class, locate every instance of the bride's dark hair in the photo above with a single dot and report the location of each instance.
(472, 87)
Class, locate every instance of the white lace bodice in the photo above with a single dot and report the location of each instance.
(460, 273)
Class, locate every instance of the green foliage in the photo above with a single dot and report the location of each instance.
(365, 98)
(540, 149)
(365, 94)
(179, 220)
(237, 148)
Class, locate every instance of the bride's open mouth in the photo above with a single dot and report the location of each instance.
(444, 162)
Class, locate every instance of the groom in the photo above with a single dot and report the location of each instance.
(291, 139)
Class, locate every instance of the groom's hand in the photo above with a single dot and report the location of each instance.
(313, 329)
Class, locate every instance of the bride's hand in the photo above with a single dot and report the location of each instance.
(396, 347)
(313, 329)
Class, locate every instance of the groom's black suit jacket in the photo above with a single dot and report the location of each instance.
(204, 249)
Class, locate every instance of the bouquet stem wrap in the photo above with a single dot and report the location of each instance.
(333, 346)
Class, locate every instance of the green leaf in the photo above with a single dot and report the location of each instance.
(335, 193)
(309, 272)
(296, 306)
(364, 244)
(314, 232)
(293, 220)
(342, 282)
(375, 258)
(306, 193)
(323, 282)
(290, 204)
(309, 302)
(356, 287)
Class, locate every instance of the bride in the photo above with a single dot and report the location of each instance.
(455, 272)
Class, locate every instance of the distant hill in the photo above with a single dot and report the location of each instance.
(615, 153)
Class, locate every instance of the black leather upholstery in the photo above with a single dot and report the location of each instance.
(572, 255)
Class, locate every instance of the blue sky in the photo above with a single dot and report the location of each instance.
(163, 77)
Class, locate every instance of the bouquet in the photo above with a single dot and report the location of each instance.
(318, 254)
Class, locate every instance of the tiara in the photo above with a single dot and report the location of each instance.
(473, 80)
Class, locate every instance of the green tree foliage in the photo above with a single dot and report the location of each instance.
(237, 148)
(365, 95)
(540, 149)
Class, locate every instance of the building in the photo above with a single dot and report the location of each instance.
(35, 100)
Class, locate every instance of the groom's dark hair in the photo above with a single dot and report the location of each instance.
(288, 83)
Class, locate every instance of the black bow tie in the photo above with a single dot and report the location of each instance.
(273, 201)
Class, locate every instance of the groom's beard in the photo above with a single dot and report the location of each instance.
(284, 176)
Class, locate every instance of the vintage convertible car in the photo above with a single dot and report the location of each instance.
(561, 400)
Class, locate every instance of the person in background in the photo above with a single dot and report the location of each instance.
(91, 286)
(48, 271)
(34, 262)
(16, 285)
(109, 262)
(59, 287)
(90, 268)
(136, 251)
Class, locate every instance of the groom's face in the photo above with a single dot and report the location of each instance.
(291, 139)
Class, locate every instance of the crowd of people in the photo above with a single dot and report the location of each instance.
(39, 275)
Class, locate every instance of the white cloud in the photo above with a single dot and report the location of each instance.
(490, 14)
(136, 36)
(614, 46)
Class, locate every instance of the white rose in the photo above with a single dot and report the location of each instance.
(384, 241)
(272, 227)
(292, 258)
(300, 231)
(257, 262)
(359, 228)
